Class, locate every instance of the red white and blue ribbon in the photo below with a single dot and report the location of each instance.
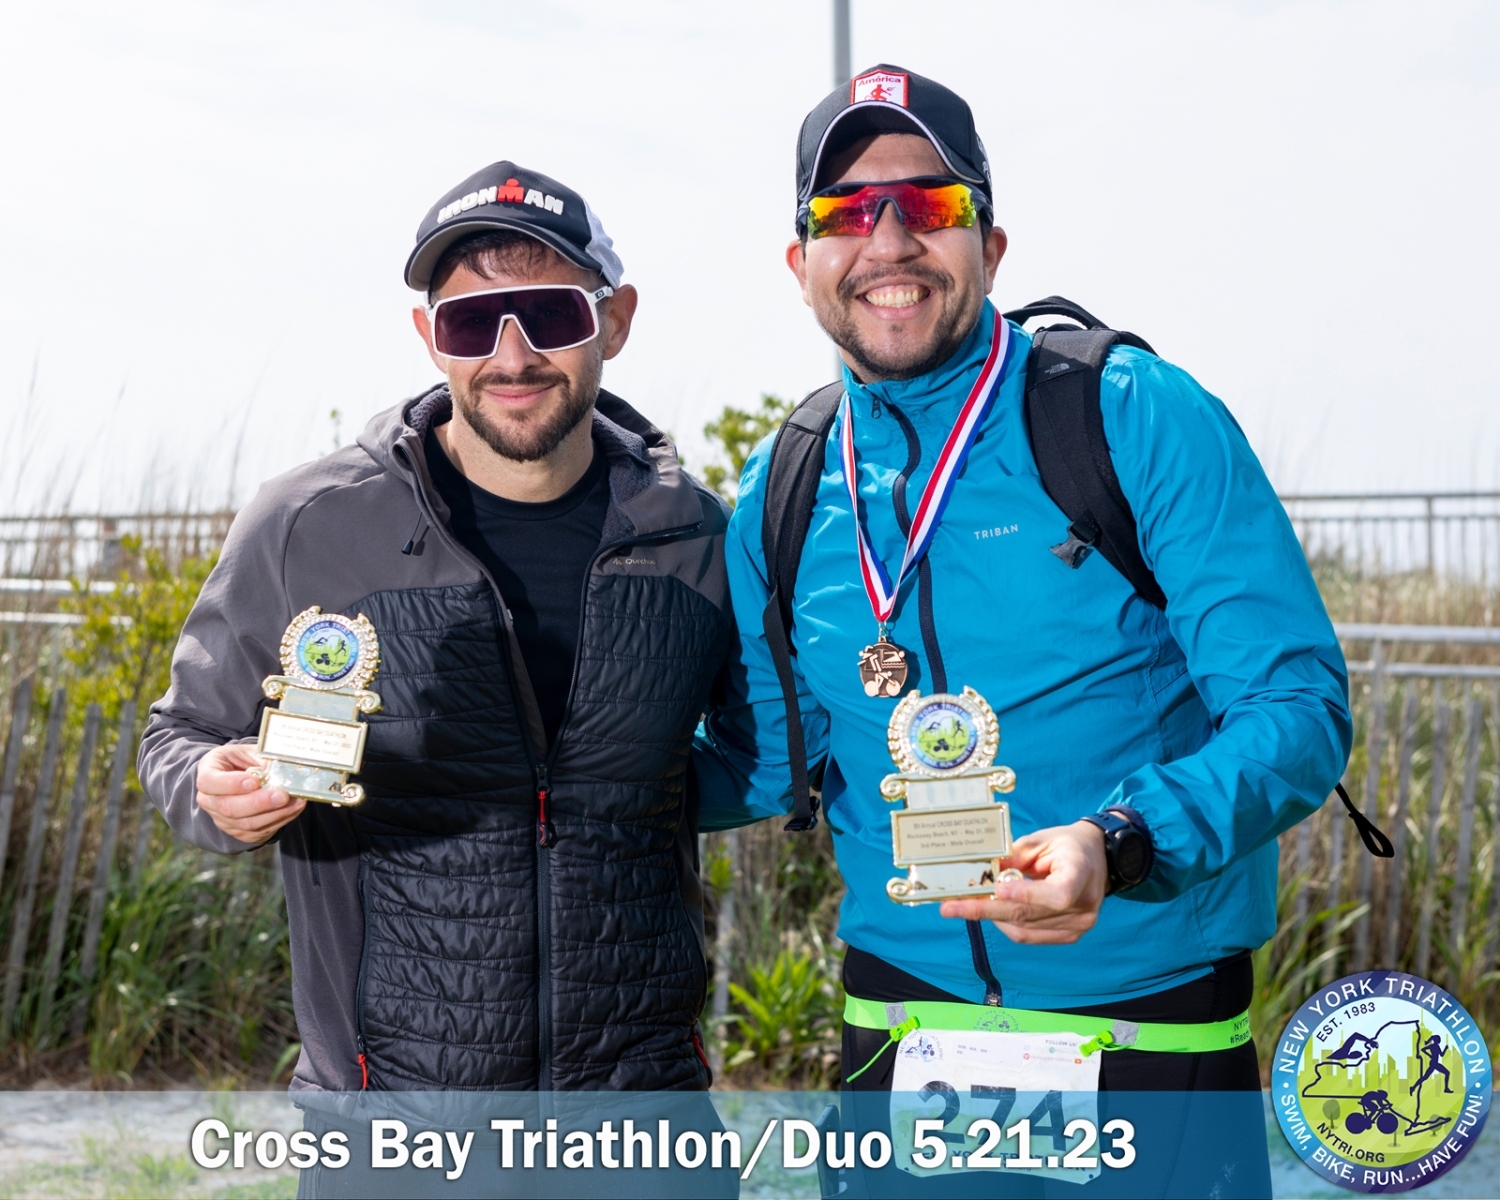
(878, 585)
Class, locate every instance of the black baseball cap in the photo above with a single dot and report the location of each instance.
(891, 99)
(505, 196)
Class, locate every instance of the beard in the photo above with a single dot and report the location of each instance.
(531, 436)
(956, 318)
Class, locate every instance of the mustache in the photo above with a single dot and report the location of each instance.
(539, 378)
(937, 280)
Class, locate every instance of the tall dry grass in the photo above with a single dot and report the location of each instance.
(193, 978)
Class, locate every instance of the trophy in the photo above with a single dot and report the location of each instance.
(315, 740)
(952, 833)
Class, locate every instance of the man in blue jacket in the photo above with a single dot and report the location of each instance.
(1158, 753)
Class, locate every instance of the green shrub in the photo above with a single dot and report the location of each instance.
(788, 1020)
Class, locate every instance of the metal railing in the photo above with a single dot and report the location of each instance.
(89, 546)
(1448, 533)
(1455, 534)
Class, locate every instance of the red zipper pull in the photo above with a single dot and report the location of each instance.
(545, 834)
(364, 1073)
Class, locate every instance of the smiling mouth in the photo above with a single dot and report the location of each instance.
(904, 295)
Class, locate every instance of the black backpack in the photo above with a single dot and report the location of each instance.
(1066, 427)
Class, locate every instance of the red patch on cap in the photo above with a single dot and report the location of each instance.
(886, 86)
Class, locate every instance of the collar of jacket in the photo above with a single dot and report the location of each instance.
(649, 491)
(947, 383)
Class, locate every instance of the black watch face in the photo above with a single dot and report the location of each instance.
(1130, 858)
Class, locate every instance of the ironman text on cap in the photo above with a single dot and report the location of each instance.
(888, 87)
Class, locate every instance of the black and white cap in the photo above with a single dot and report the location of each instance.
(506, 196)
(890, 99)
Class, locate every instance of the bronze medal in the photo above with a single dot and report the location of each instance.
(882, 668)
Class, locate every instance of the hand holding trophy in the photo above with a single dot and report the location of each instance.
(315, 740)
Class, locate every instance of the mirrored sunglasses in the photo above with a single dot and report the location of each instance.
(852, 209)
(551, 317)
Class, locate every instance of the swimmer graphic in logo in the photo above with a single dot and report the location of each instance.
(1381, 1082)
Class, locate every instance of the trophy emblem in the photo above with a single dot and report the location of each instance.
(315, 740)
(952, 833)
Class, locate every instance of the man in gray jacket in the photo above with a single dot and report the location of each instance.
(515, 904)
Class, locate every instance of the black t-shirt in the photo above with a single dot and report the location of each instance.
(539, 555)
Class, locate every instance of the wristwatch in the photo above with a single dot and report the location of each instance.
(1127, 846)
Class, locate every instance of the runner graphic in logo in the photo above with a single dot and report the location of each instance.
(1381, 1082)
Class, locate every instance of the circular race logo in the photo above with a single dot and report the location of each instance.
(943, 735)
(327, 650)
(1381, 1082)
(921, 1046)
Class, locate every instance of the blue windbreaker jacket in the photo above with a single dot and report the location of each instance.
(1224, 720)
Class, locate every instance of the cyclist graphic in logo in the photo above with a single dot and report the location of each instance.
(1375, 1107)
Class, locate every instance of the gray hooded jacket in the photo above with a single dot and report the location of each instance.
(435, 942)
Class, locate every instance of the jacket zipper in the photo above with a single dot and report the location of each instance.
(542, 794)
(359, 993)
(547, 834)
(542, 771)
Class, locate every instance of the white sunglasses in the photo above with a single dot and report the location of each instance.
(551, 317)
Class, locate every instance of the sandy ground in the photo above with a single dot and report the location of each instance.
(77, 1143)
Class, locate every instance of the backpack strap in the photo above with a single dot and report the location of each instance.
(1067, 437)
(792, 479)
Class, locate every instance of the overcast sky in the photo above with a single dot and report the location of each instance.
(208, 205)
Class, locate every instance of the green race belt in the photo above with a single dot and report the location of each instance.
(1101, 1033)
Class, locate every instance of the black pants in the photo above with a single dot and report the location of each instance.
(1190, 1143)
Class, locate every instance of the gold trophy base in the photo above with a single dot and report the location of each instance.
(312, 783)
(952, 836)
(948, 881)
(314, 741)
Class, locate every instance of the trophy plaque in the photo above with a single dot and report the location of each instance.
(952, 833)
(315, 739)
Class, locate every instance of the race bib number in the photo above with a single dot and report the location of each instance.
(1008, 1101)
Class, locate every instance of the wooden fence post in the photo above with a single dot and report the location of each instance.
(1458, 918)
(1375, 754)
(1494, 915)
(1304, 860)
(1410, 713)
(41, 807)
(723, 949)
(104, 865)
(1334, 893)
(62, 900)
(145, 825)
(1439, 783)
(20, 715)
(1493, 921)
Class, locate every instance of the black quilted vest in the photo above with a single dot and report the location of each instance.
(490, 960)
